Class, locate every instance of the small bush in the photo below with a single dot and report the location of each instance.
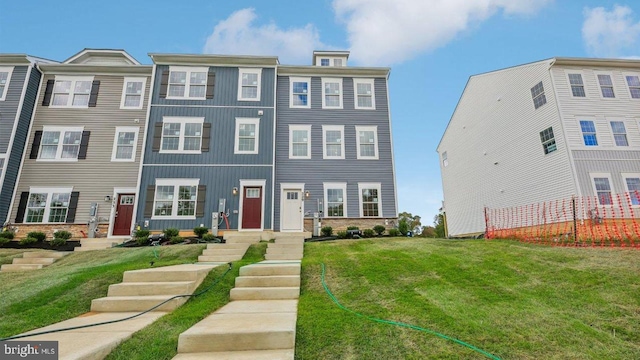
(394, 232)
(28, 240)
(170, 233)
(142, 241)
(176, 240)
(403, 227)
(327, 230)
(353, 228)
(209, 238)
(37, 235)
(379, 229)
(58, 242)
(368, 233)
(342, 234)
(62, 234)
(7, 234)
(142, 233)
(4, 240)
(200, 231)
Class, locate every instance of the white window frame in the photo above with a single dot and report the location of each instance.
(584, 85)
(293, 128)
(249, 121)
(375, 138)
(539, 96)
(291, 94)
(624, 75)
(176, 183)
(47, 209)
(613, 84)
(9, 71)
(74, 80)
(376, 186)
(124, 92)
(332, 61)
(188, 70)
(3, 165)
(121, 129)
(242, 71)
(335, 185)
(613, 135)
(593, 176)
(326, 128)
(445, 161)
(357, 81)
(595, 126)
(341, 94)
(62, 130)
(626, 176)
(182, 121)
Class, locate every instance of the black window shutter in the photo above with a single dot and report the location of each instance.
(157, 136)
(148, 204)
(35, 146)
(73, 205)
(22, 207)
(93, 98)
(206, 137)
(48, 92)
(202, 195)
(211, 83)
(84, 144)
(164, 83)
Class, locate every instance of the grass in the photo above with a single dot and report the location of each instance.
(514, 300)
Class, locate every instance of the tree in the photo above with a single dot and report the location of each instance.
(438, 221)
(413, 221)
(428, 231)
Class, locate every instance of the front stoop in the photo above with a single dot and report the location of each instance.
(243, 237)
(224, 252)
(34, 260)
(287, 247)
(98, 244)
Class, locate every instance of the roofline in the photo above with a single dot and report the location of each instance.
(211, 59)
(334, 71)
(95, 69)
(22, 59)
(85, 50)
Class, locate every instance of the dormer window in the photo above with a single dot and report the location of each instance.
(324, 62)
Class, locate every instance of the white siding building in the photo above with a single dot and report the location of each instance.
(538, 132)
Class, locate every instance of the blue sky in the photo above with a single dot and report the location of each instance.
(432, 47)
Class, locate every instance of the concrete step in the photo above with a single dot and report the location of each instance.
(285, 256)
(284, 354)
(266, 269)
(43, 261)
(240, 332)
(268, 281)
(219, 258)
(151, 288)
(264, 293)
(109, 241)
(135, 303)
(20, 267)
(244, 240)
(92, 247)
(228, 246)
(260, 306)
(46, 254)
(214, 252)
(296, 235)
(290, 240)
(282, 248)
(189, 272)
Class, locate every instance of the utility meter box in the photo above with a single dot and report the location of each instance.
(215, 219)
(222, 205)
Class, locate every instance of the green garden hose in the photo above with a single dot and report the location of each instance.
(326, 288)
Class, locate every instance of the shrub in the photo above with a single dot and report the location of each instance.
(7, 234)
(176, 240)
(327, 230)
(28, 240)
(58, 242)
(368, 233)
(142, 241)
(142, 233)
(209, 238)
(169, 233)
(62, 234)
(353, 228)
(200, 231)
(394, 232)
(4, 240)
(37, 235)
(403, 227)
(379, 229)
(342, 234)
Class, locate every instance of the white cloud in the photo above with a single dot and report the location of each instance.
(382, 32)
(611, 33)
(239, 35)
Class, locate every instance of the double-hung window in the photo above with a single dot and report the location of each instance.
(619, 133)
(247, 136)
(589, 133)
(364, 92)
(5, 78)
(249, 84)
(632, 182)
(175, 198)
(367, 142)
(133, 93)
(300, 92)
(577, 85)
(602, 187)
(299, 141)
(633, 82)
(445, 160)
(370, 202)
(606, 86)
(331, 93)
(48, 205)
(71, 91)
(60, 143)
(125, 143)
(187, 83)
(181, 135)
(548, 141)
(537, 93)
(2, 159)
(335, 199)
(333, 141)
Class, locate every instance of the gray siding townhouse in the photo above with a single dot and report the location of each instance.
(210, 145)
(19, 81)
(334, 151)
(83, 150)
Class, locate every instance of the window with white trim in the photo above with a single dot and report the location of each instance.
(577, 85)
(187, 82)
(537, 93)
(247, 136)
(367, 142)
(602, 187)
(370, 202)
(175, 198)
(249, 84)
(71, 91)
(632, 182)
(588, 128)
(300, 92)
(59, 143)
(548, 141)
(331, 93)
(364, 93)
(335, 199)
(324, 62)
(333, 141)
(133, 93)
(299, 141)
(606, 86)
(445, 161)
(633, 82)
(5, 79)
(2, 159)
(619, 133)
(48, 205)
(125, 143)
(181, 135)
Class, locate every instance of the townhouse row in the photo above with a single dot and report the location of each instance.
(241, 142)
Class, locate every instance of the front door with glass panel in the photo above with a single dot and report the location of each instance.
(252, 208)
(124, 215)
(292, 210)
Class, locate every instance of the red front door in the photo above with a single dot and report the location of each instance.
(252, 207)
(124, 214)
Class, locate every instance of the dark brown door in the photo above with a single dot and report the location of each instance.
(252, 207)
(124, 214)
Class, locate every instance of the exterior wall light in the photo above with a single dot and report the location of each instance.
(234, 191)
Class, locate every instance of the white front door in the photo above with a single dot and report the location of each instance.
(292, 210)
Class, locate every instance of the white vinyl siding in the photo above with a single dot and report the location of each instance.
(249, 84)
(247, 137)
(47, 205)
(187, 82)
(71, 91)
(335, 199)
(181, 135)
(125, 144)
(333, 141)
(299, 141)
(5, 79)
(133, 93)
(175, 199)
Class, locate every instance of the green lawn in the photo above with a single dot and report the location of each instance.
(513, 300)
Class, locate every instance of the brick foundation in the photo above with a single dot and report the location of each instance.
(74, 229)
(343, 223)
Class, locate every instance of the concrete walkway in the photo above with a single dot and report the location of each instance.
(34, 260)
(90, 244)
